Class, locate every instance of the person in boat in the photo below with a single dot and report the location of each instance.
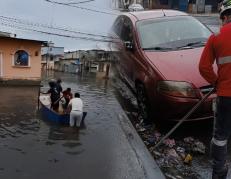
(54, 95)
(67, 96)
(59, 86)
(76, 106)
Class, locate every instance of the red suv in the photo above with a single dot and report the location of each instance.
(158, 56)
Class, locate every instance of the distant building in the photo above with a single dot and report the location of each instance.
(20, 60)
(196, 6)
(77, 61)
(51, 54)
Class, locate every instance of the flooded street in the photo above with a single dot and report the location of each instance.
(32, 147)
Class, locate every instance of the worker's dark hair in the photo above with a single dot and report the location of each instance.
(225, 13)
(59, 80)
(68, 89)
(77, 95)
(51, 84)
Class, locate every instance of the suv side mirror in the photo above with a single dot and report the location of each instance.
(128, 45)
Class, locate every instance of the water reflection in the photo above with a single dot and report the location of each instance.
(38, 145)
(63, 133)
(18, 111)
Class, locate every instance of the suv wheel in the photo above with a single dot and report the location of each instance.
(143, 104)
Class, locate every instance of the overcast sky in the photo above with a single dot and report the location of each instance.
(40, 13)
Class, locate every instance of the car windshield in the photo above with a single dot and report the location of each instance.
(172, 33)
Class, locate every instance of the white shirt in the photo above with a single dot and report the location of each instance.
(76, 104)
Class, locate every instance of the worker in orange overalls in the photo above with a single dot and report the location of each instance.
(218, 48)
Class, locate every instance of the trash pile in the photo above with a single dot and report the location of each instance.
(173, 157)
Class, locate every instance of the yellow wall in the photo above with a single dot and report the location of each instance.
(8, 47)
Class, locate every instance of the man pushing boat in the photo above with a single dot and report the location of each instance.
(76, 114)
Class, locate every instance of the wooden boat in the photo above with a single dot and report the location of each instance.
(48, 113)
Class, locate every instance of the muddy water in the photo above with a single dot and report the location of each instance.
(32, 147)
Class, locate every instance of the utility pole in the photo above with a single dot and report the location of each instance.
(46, 58)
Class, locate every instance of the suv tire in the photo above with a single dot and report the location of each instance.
(143, 103)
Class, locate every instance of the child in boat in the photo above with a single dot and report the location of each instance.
(67, 96)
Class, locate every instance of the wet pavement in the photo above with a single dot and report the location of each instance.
(32, 147)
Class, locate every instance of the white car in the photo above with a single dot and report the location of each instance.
(135, 7)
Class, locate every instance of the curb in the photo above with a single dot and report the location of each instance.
(146, 161)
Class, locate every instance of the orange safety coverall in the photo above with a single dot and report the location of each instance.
(218, 48)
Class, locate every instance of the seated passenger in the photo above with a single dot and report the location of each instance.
(67, 96)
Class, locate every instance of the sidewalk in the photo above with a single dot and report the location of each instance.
(145, 161)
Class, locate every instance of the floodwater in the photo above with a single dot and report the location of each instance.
(32, 147)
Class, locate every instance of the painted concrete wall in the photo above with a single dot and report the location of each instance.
(8, 47)
(74, 54)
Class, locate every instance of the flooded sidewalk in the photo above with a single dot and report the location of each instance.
(107, 147)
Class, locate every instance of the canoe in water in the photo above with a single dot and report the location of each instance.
(52, 115)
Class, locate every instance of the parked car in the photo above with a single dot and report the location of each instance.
(135, 7)
(159, 52)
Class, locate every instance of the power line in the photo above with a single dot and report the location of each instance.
(56, 34)
(101, 8)
(20, 21)
(80, 2)
(83, 8)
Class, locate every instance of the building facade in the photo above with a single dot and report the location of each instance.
(51, 54)
(89, 60)
(192, 6)
(20, 61)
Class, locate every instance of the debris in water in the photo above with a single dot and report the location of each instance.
(140, 128)
(189, 140)
(188, 159)
(199, 147)
(151, 140)
(169, 142)
(181, 152)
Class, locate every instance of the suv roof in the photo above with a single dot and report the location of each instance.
(140, 15)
